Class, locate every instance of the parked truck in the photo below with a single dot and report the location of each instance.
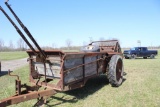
(60, 71)
(140, 52)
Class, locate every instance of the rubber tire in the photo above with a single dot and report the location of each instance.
(95, 49)
(126, 57)
(152, 56)
(144, 57)
(133, 56)
(115, 79)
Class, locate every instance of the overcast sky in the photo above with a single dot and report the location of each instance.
(55, 21)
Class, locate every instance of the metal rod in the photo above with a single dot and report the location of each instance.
(9, 73)
(26, 30)
(18, 30)
(45, 73)
(84, 64)
(25, 97)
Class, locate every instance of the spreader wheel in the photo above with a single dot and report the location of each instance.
(115, 73)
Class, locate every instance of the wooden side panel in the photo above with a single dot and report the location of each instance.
(77, 73)
(52, 70)
(90, 69)
(74, 74)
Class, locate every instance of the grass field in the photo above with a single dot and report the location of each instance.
(4, 56)
(12, 55)
(141, 88)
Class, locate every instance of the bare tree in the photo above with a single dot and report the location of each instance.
(25, 45)
(20, 44)
(1, 45)
(68, 43)
(54, 46)
(11, 46)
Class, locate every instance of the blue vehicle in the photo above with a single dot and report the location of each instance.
(139, 52)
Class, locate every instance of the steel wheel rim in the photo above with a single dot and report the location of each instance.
(119, 70)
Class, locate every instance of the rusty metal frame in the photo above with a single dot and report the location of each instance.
(61, 86)
(25, 97)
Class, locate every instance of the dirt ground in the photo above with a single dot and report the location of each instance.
(13, 64)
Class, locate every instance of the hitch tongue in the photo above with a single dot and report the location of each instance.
(17, 83)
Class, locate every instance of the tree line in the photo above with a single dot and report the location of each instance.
(20, 45)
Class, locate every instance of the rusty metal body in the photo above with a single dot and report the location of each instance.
(69, 70)
(56, 70)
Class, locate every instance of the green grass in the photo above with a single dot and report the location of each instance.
(140, 89)
(13, 55)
